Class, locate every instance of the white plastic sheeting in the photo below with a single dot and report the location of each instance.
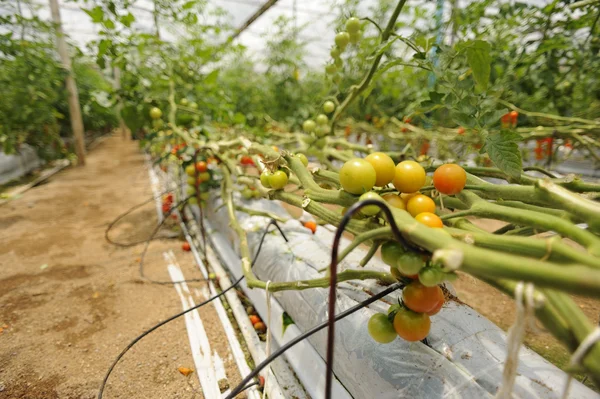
(16, 165)
(467, 351)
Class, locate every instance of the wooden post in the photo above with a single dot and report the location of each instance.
(73, 96)
(125, 133)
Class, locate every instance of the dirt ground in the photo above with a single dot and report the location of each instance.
(70, 302)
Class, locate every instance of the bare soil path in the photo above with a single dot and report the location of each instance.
(70, 302)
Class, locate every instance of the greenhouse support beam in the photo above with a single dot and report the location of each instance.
(73, 95)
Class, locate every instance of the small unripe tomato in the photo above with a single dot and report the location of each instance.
(357, 176)
(328, 107)
(335, 53)
(278, 180)
(322, 119)
(370, 210)
(330, 69)
(380, 329)
(302, 159)
(341, 40)
(264, 179)
(155, 113)
(353, 25)
(309, 125)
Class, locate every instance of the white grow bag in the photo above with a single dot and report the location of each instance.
(467, 350)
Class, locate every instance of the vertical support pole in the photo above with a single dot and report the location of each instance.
(125, 133)
(73, 95)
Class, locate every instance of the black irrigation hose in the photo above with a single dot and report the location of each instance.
(307, 334)
(121, 216)
(162, 323)
(333, 277)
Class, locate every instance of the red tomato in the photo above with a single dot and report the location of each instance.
(254, 319)
(411, 326)
(461, 130)
(424, 148)
(201, 166)
(186, 246)
(437, 307)
(246, 160)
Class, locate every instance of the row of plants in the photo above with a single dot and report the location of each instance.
(34, 108)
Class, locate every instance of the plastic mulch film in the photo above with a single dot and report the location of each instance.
(466, 352)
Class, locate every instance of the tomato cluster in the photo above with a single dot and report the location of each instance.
(199, 177)
(257, 323)
(167, 203)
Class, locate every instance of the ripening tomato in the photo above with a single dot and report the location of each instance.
(254, 319)
(398, 275)
(429, 219)
(411, 326)
(449, 179)
(384, 166)
(370, 210)
(409, 177)
(260, 327)
(246, 160)
(419, 298)
(380, 328)
(420, 203)
(394, 200)
(311, 225)
(437, 308)
(357, 176)
(201, 166)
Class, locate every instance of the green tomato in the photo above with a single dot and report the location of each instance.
(193, 201)
(256, 194)
(191, 190)
(335, 53)
(309, 125)
(354, 37)
(303, 159)
(330, 69)
(328, 107)
(190, 170)
(322, 130)
(390, 252)
(357, 176)
(341, 40)
(410, 263)
(380, 329)
(264, 179)
(339, 63)
(278, 180)
(191, 181)
(184, 101)
(193, 105)
(322, 119)
(204, 195)
(155, 113)
(337, 79)
(353, 25)
(430, 277)
(370, 210)
(247, 193)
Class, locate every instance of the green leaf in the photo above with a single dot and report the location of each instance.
(96, 13)
(479, 59)
(211, 78)
(436, 97)
(109, 24)
(127, 20)
(492, 117)
(503, 150)
(188, 5)
(287, 321)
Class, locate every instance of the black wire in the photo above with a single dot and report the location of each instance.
(333, 277)
(307, 334)
(162, 323)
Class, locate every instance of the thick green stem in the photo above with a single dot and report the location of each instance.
(522, 217)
